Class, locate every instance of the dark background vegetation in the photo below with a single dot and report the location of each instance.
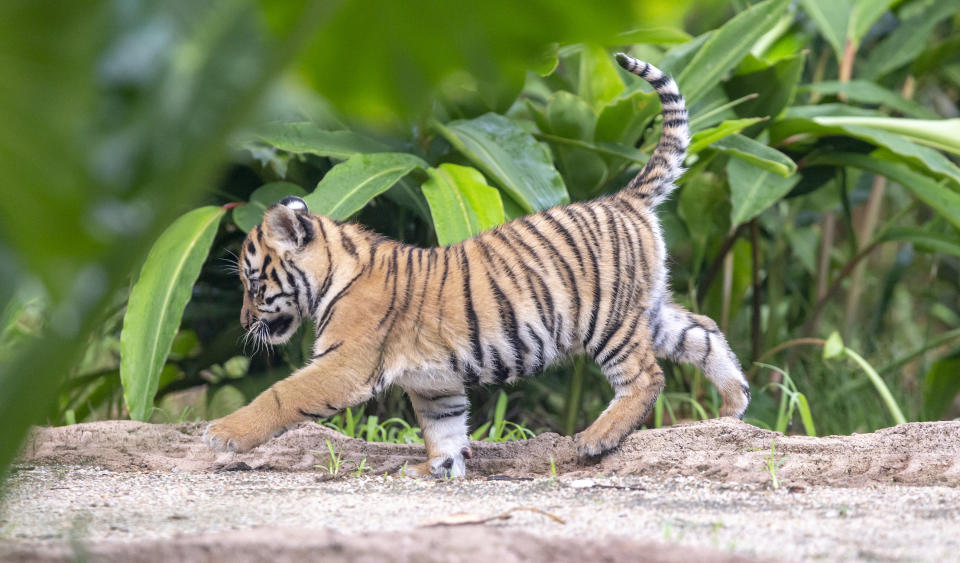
(119, 116)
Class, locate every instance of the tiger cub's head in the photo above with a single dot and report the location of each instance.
(279, 264)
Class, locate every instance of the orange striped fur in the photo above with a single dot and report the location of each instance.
(589, 278)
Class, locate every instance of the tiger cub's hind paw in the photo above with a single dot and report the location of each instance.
(442, 467)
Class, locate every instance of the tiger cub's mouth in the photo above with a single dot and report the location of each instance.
(278, 327)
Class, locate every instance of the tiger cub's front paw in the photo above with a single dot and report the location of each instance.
(592, 442)
(233, 434)
(452, 466)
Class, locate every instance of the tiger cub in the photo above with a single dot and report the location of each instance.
(589, 277)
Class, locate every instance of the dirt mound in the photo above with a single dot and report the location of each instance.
(723, 449)
(473, 543)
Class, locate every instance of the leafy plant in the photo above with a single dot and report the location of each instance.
(821, 194)
(773, 463)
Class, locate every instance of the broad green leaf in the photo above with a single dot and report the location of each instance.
(866, 92)
(844, 20)
(570, 116)
(249, 215)
(307, 138)
(157, 301)
(774, 86)
(461, 202)
(727, 46)
(923, 239)
(902, 137)
(753, 190)
(757, 154)
(940, 198)
(908, 40)
(943, 134)
(417, 47)
(656, 35)
(350, 185)
(599, 78)
(511, 157)
(703, 139)
(704, 207)
(918, 155)
(624, 118)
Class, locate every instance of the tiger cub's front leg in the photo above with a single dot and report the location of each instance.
(317, 390)
(442, 416)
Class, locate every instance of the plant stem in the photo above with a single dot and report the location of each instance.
(878, 384)
(715, 265)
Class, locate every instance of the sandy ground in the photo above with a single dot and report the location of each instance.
(128, 491)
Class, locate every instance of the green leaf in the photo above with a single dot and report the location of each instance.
(844, 20)
(157, 301)
(704, 207)
(599, 78)
(249, 215)
(866, 92)
(752, 190)
(570, 118)
(902, 137)
(417, 47)
(774, 85)
(942, 134)
(727, 46)
(350, 185)
(656, 35)
(307, 138)
(461, 202)
(757, 154)
(923, 239)
(511, 157)
(940, 198)
(703, 139)
(624, 118)
(833, 346)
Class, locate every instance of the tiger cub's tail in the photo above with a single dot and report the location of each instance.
(655, 180)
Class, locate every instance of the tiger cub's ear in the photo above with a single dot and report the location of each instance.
(289, 223)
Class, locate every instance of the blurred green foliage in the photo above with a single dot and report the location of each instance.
(429, 120)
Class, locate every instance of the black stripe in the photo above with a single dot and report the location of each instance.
(571, 285)
(508, 316)
(473, 321)
(567, 237)
(348, 245)
(308, 235)
(445, 414)
(328, 350)
(586, 226)
(328, 312)
(251, 248)
(546, 317)
(595, 312)
(659, 82)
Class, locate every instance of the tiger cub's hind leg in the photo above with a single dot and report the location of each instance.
(443, 420)
(683, 336)
(637, 381)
